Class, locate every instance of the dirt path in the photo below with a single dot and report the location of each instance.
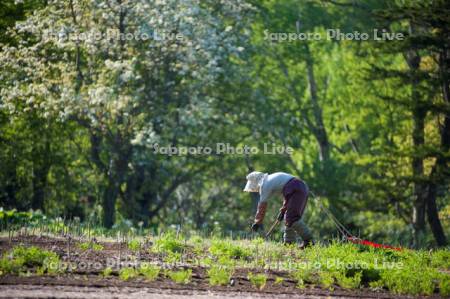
(35, 291)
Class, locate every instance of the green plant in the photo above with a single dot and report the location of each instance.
(106, 272)
(182, 276)
(326, 279)
(168, 243)
(149, 271)
(128, 273)
(134, 245)
(302, 276)
(20, 258)
(441, 259)
(11, 266)
(444, 285)
(91, 245)
(219, 275)
(220, 248)
(278, 280)
(257, 280)
(172, 257)
(85, 246)
(97, 247)
(409, 281)
(348, 282)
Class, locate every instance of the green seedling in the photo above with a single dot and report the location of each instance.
(134, 245)
(149, 271)
(181, 277)
(91, 245)
(107, 272)
(219, 275)
(168, 243)
(257, 280)
(128, 273)
(278, 280)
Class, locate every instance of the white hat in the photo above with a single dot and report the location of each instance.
(254, 181)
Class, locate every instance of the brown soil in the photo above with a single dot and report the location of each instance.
(89, 283)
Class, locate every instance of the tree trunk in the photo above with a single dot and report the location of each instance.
(319, 128)
(438, 172)
(109, 203)
(41, 167)
(418, 174)
(419, 112)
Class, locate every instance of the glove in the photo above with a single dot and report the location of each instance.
(256, 227)
(280, 216)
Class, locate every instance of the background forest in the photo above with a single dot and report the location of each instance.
(368, 120)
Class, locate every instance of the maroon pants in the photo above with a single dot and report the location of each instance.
(295, 194)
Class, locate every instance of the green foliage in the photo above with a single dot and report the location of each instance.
(134, 245)
(172, 257)
(168, 243)
(128, 273)
(11, 266)
(22, 258)
(441, 259)
(348, 282)
(91, 246)
(278, 280)
(149, 271)
(257, 280)
(409, 281)
(444, 284)
(219, 275)
(181, 276)
(224, 248)
(326, 279)
(107, 272)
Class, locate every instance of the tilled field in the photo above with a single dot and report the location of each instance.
(87, 282)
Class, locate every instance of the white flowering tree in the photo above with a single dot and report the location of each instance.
(130, 74)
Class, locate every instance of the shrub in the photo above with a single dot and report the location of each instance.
(219, 275)
(182, 276)
(257, 280)
(149, 271)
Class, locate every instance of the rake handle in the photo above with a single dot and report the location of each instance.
(272, 228)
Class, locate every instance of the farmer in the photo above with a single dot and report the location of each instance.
(295, 194)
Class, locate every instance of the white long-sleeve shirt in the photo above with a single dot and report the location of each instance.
(273, 185)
